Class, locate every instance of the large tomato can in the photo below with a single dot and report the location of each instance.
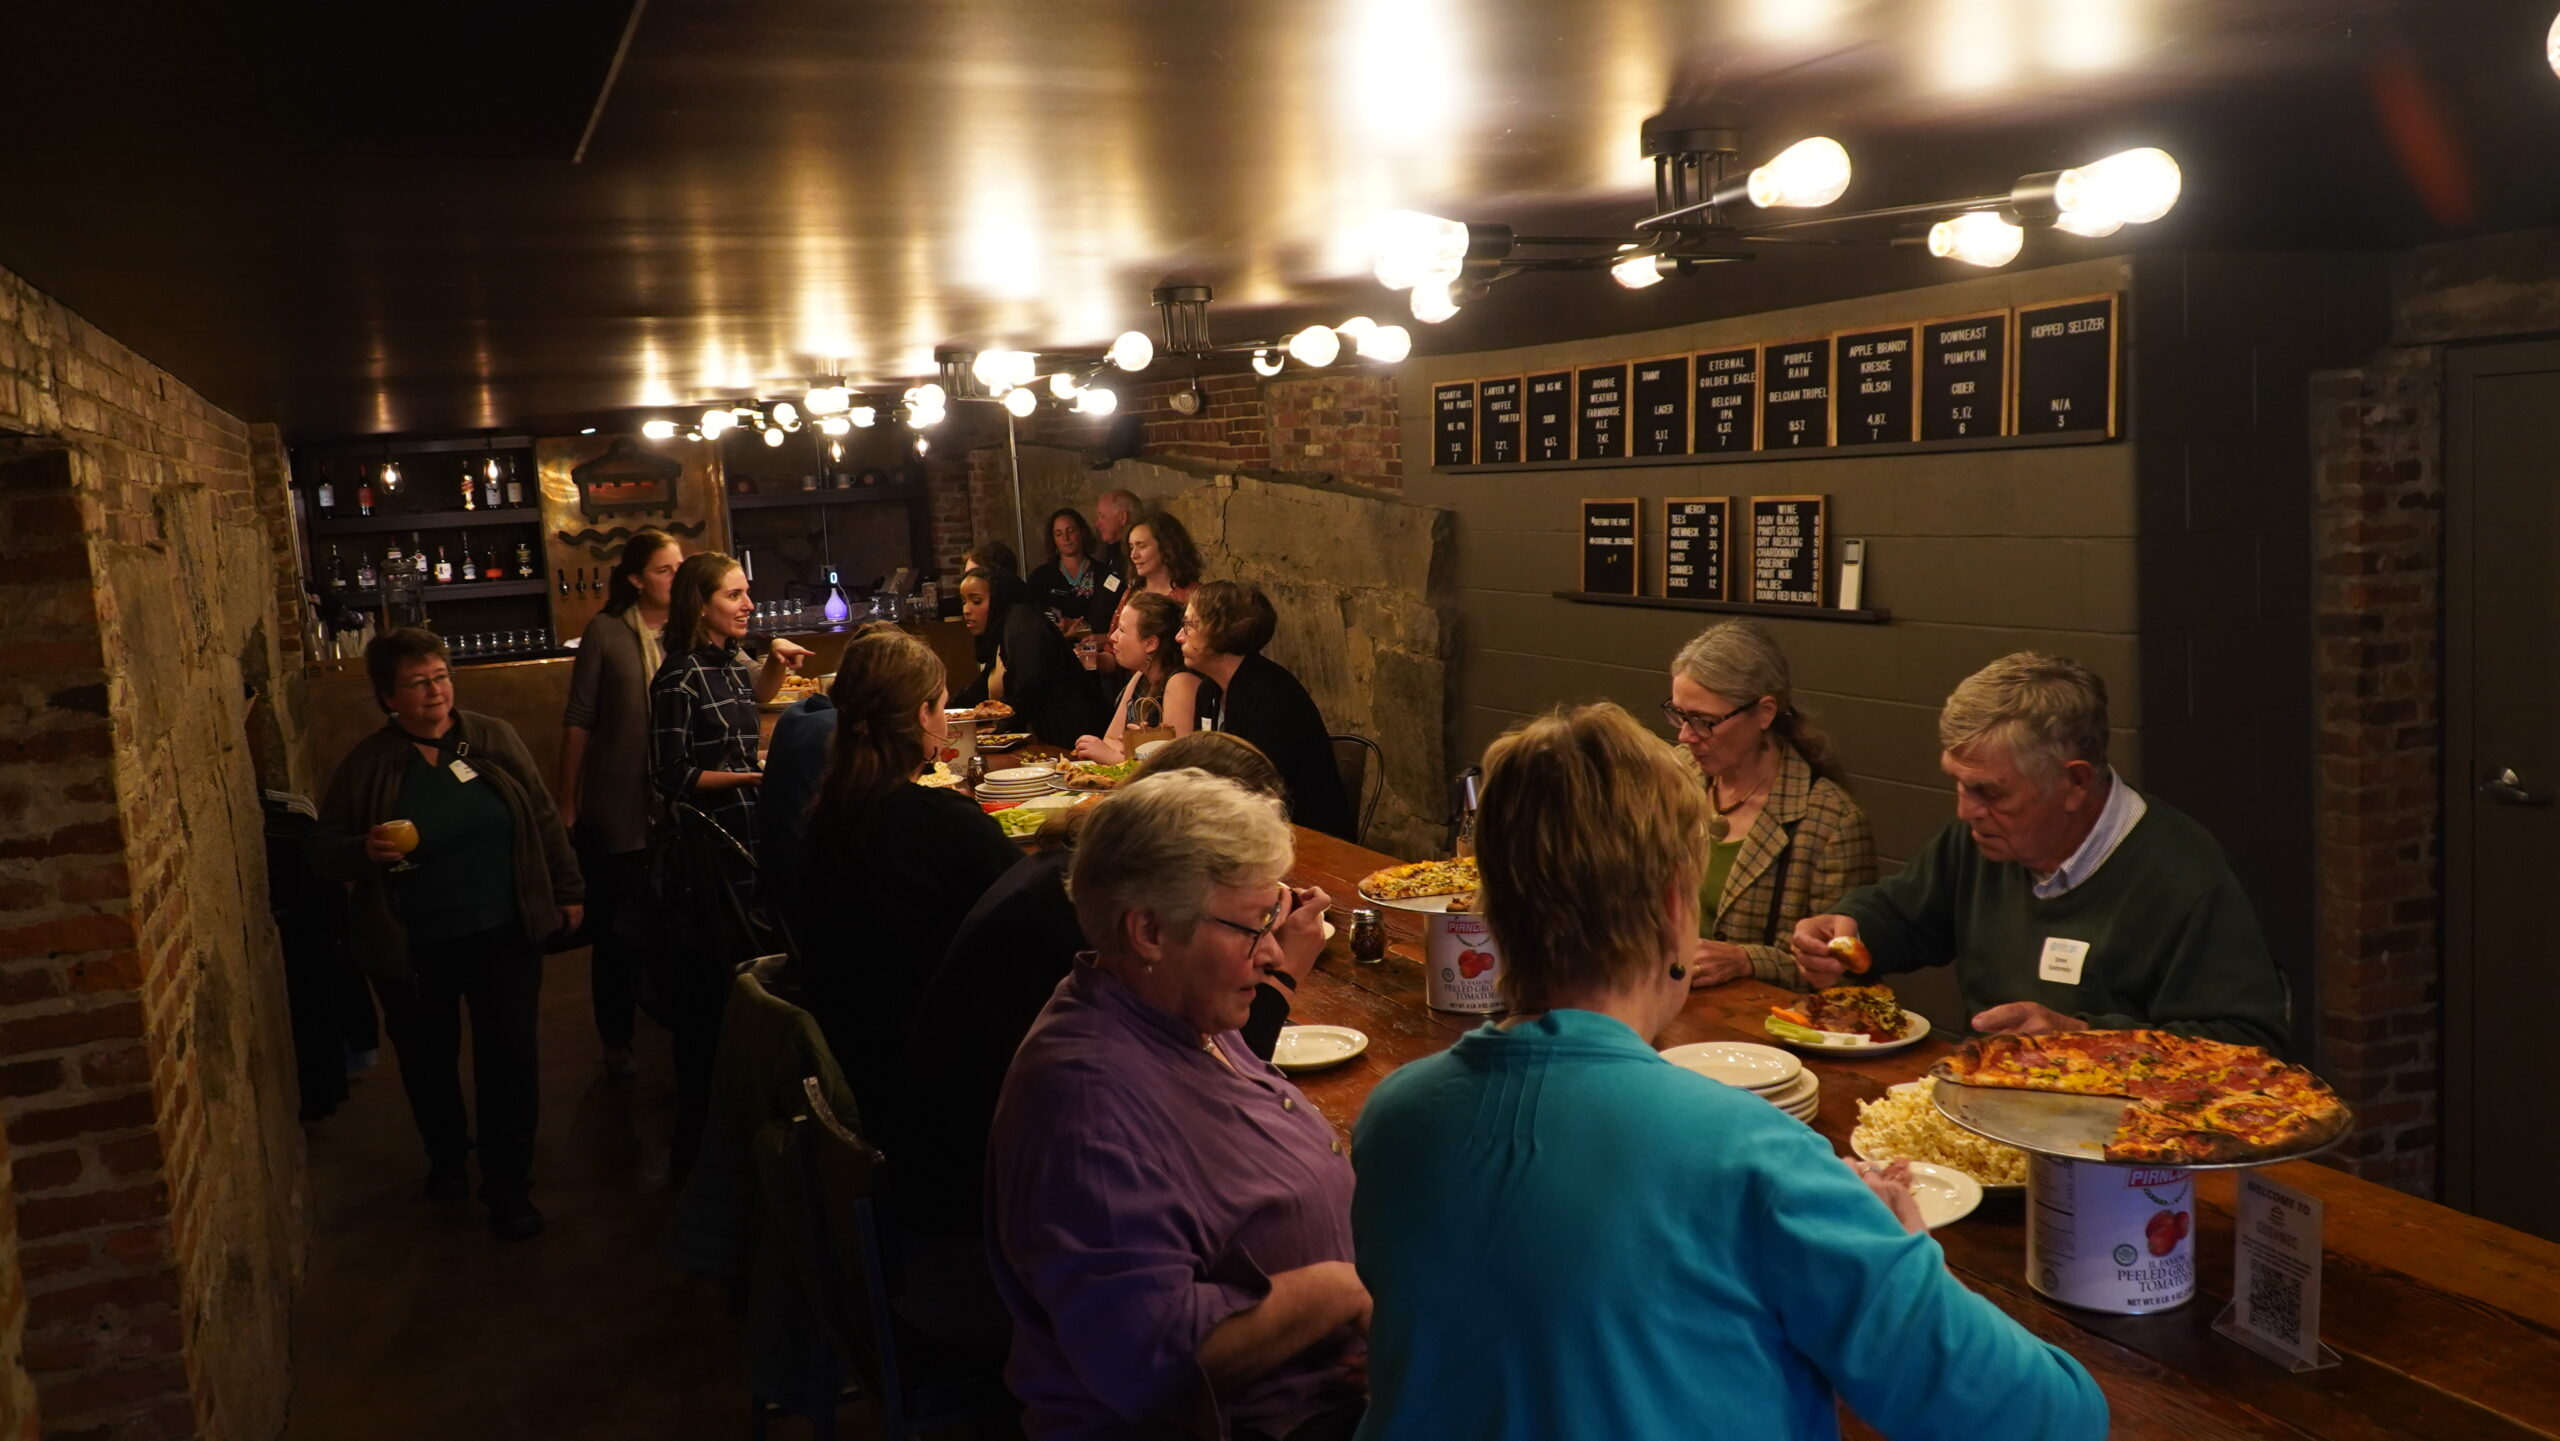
(2111, 1238)
(1460, 964)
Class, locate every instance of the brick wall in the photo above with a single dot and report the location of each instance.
(17, 1392)
(145, 1061)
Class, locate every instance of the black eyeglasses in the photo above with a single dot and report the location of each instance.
(1705, 725)
(1269, 920)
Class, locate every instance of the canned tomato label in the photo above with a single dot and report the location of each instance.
(1461, 965)
(2111, 1238)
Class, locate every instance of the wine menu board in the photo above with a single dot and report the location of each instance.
(1795, 395)
(1662, 406)
(1873, 369)
(1600, 409)
(1786, 549)
(1612, 531)
(1964, 377)
(1551, 416)
(1695, 541)
(2067, 367)
(1498, 421)
(1728, 408)
(1453, 427)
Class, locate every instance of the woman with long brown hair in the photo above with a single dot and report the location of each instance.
(703, 700)
(1161, 690)
(890, 866)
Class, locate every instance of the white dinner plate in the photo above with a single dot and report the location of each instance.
(1835, 1043)
(1150, 748)
(1014, 775)
(1053, 801)
(1737, 1063)
(1798, 1092)
(1312, 1048)
(1946, 1195)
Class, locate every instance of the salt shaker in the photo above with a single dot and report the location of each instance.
(1368, 936)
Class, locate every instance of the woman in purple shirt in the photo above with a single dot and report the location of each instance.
(1169, 1217)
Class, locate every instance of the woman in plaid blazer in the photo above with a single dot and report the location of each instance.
(1788, 841)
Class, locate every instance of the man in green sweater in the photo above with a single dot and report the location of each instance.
(2066, 899)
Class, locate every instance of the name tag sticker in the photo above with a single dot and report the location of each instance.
(1111, 582)
(2062, 960)
(462, 770)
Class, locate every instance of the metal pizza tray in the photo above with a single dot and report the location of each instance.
(2074, 1128)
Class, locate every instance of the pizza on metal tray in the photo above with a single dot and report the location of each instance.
(2192, 1101)
(1421, 879)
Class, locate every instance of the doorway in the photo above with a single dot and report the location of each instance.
(2501, 778)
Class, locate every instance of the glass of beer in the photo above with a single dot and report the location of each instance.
(403, 837)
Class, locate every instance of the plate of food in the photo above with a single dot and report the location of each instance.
(1905, 1125)
(1097, 775)
(1312, 1048)
(1003, 742)
(992, 710)
(1847, 1018)
(1426, 886)
(2139, 1098)
(1945, 1195)
(1020, 822)
(939, 777)
(795, 689)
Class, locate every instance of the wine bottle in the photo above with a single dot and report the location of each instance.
(515, 486)
(328, 494)
(418, 555)
(524, 561)
(364, 490)
(367, 578)
(444, 568)
(489, 485)
(337, 569)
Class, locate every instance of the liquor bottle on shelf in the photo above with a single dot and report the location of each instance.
(328, 493)
(364, 490)
(337, 569)
(393, 562)
(524, 561)
(470, 569)
(470, 488)
(491, 567)
(515, 484)
(489, 484)
(367, 578)
(444, 568)
(418, 555)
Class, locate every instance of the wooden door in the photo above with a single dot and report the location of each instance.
(2502, 773)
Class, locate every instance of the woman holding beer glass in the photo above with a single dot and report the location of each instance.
(459, 868)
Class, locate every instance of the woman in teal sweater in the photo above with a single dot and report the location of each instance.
(1566, 1235)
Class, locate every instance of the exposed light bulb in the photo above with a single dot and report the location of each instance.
(1976, 237)
(1808, 173)
(1132, 351)
(1432, 302)
(865, 416)
(833, 425)
(930, 396)
(2135, 186)
(587, 430)
(1385, 344)
(2095, 224)
(657, 429)
(786, 415)
(923, 446)
(1637, 271)
(1020, 402)
(1097, 400)
(773, 438)
(391, 473)
(1001, 369)
(1266, 364)
(835, 450)
(2551, 46)
(827, 399)
(1063, 386)
(716, 422)
(1408, 247)
(1316, 345)
(1354, 328)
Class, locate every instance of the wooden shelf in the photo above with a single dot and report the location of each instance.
(1806, 452)
(455, 590)
(424, 520)
(375, 449)
(1731, 607)
(858, 495)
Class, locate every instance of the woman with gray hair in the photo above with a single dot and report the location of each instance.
(1785, 839)
(1169, 1217)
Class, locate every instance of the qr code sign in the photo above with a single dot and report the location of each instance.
(2275, 1304)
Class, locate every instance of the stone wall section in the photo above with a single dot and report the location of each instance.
(145, 1059)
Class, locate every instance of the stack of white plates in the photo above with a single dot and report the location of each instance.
(1765, 1071)
(1019, 783)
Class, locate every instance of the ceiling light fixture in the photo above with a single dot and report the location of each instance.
(1063, 386)
(774, 438)
(658, 430)
(1020, 402)
(1097, 400)
(716, 422)
(1976, 237)
(2551, 46)
(1266, 364)
(1133, 351)
(1385, 344)
(1316, 345)
(1638, 271)
(830, 399)
(833, 425)
(864, 417)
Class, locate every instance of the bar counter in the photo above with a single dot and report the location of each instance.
(2449, 1326)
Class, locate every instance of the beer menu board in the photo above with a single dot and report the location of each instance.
(1694, 538)
(1964, 377)
(1728, 405)
(1611, 530)
(2067, 367)
(1786, 549)
(1795, 395)
(1453, 428)
(1498, 421)
(1873, 368)
(1551, 416)
(1600, 407)
(1662, 406)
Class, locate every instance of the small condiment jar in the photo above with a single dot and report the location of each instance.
(1368, 936)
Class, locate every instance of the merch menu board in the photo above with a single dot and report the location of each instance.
(1600, 407)
(1453, 428)
(1787, 548)
(1795, 395)
(1551, 416)
(1662, 406)
(1695, 534)
(1611, 530)
(1873, 371)
(1497, 421)
(1728, 401)
(1964, 377)
(2067, 367)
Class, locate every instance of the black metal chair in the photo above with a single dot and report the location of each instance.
(1364, 777)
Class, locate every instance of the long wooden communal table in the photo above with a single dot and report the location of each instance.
(2449, 1325)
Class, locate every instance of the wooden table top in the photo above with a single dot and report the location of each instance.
(2449, 1325)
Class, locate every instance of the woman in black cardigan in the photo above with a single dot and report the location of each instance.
(1030, 666)
(1247, 694)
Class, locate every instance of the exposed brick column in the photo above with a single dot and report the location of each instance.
(17, 1392)
(2377, 546)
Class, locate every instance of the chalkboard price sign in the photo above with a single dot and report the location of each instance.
(1795, 395)
(1873, 370)
(1611, 534)
(1662, 406)
(1497, 421)
(1601, 395)
(1695, 537)
(1964, 377)
(1728, 405)
(1551, 416)
(2067, 367)
(1787, 539)
(1453, 429)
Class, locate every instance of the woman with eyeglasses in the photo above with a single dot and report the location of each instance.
(1786, 841)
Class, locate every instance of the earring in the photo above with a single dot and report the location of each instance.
(1679, 972)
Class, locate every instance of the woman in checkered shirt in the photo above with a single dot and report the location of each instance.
(703, 701)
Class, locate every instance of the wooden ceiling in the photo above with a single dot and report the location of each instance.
(353, 219)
